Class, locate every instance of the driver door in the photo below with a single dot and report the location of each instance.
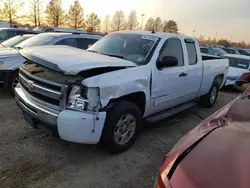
(169, 84)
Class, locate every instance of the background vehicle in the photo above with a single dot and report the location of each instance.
(213, 51)
(63, 30)
(7, 33)
(12, 42)
(243, 52)
(238, 65)
(10, 59)
(218, 146)
(104, 93)
(231, 51)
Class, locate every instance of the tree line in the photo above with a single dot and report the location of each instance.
(54, 15)
(225, 42)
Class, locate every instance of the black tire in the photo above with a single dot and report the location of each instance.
(114, 114)
(205, 99)
(11, 80)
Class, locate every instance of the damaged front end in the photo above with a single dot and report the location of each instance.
(84, 99)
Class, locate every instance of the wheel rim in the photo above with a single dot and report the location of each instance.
(15, 82)
(124, 129)
(213, 95)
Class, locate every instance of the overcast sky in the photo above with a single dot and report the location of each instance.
(228, 18)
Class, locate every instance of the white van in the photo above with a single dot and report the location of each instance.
(238, 65)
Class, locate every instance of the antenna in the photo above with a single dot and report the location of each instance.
(153, 31)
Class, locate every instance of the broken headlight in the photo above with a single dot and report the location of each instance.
(77, 100)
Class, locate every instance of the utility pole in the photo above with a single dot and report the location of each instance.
(142, 15)
(194, 32)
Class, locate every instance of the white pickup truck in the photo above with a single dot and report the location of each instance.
(103, 94)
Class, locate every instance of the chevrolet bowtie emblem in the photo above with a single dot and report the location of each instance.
(30, 85)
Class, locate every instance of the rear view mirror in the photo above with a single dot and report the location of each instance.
(167, 61)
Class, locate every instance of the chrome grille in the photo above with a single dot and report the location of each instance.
(44, 90)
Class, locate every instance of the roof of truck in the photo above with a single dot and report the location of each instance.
(156, 34)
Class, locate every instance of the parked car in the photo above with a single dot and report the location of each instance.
(63, 30)
(214, 154)
(104, 93)
(12, 42)
(231, 51)
(10, 59)
(243, 52)
(238, 65)
(7, 33)
(213, 51)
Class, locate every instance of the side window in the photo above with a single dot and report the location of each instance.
(83, 43)
(242, 52)
(192, 55)
(68, 42)
(172, 47)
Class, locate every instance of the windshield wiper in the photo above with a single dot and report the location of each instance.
(112, 55)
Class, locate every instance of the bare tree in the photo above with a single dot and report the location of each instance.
(106, 23)
(10, 8)
(150, 25)
(118, 22)
(132, 22)
(93, 23)
(55, 13)
(157, 24)
(75, 15)
(35, 11)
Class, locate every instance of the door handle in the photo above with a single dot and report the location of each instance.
(182, 74)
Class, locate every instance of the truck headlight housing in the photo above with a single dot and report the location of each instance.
(76, 100)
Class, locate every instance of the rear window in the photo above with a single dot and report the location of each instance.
(239, 63)
(83, 43)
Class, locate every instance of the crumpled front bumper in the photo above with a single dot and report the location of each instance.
(70, 125)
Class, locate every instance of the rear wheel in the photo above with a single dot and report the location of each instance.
(122, 126)
(210, 98)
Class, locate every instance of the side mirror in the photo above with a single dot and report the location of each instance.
(167, 61)
(90, 45)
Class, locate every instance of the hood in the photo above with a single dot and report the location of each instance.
(8, 52)
(70, 60)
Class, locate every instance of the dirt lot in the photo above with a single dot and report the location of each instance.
(32, 158)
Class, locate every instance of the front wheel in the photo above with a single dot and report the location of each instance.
(210, 98)
(122, 126)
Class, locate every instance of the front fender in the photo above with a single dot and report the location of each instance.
(119, 83)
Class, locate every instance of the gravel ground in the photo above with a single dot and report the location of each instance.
(32, 158)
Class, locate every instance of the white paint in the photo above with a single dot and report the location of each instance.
(80, 127)
(234, 72)
(72, 60)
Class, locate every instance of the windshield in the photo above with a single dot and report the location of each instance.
(133, 47)
(220, 51)
(14, 41)
(230, 51)
(38, 40)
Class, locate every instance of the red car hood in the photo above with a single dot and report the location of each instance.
(222, 157)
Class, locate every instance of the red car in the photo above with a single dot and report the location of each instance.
(215, 154)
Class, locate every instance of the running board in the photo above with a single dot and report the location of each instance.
(167, 113)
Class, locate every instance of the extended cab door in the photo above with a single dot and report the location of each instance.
(169, 83)
(194, 69)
